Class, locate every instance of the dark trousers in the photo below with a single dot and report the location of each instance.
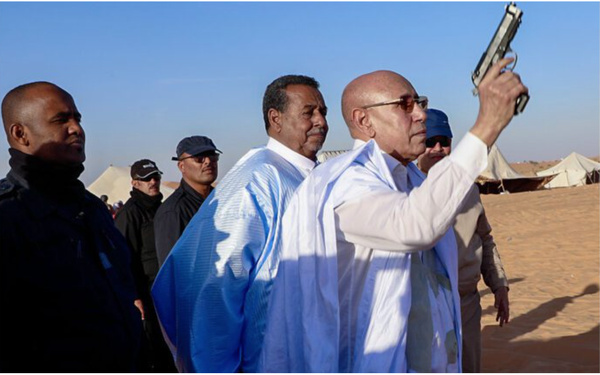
(155, 355)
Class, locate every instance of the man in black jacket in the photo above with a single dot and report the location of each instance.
(136, 221)
(66, 290)
(198, 161)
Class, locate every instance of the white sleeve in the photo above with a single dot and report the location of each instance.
(380, 218)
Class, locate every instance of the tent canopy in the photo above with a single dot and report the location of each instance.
(115, 182)
(325, 155)
(574, 170)
(498, 168)
(500, 177)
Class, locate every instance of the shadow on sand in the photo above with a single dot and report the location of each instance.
(578, 353)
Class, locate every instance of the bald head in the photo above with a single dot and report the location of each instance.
(370, 88)
(41, 119)
(372, 106)
(16, 105)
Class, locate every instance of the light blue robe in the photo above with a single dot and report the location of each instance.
(211, 294)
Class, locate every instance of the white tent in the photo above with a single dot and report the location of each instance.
(115, 182)
(326, 155)
(498, 168)
(574, 170)
(500, 177)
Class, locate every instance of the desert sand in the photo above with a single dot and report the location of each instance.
(549, 244)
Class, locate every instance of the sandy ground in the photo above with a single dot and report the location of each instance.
(549, 244)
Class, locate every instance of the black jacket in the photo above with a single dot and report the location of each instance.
(136, 222)
(173, 216)
(66, 289)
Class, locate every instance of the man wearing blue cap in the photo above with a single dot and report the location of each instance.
(439, 140)
(198, 161)
(477, 252)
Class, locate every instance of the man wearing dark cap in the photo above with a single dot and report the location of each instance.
(477, 252)
(66, 290)
(439, 140)
(198, 160)
(136, 222)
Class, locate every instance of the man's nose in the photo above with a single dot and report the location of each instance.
(438, 146)
(75, 127)
(419, 114)
(319, 119)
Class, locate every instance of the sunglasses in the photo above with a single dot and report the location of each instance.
(150, 178)
(407, 103)
(443, 141)
(202, 158)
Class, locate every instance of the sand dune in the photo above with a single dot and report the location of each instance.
(549, 244)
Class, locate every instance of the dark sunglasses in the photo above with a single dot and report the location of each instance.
(202, 158)
(443, 141)
(150, 178)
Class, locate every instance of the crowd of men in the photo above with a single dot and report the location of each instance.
(367, 262)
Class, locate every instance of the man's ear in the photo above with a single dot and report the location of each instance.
(180, 166)
(18, 135)
(274, 117)
(135, 183)
(362, 122)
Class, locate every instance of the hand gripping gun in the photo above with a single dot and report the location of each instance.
(498, 48)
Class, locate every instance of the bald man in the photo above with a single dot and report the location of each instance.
(66, 291)
(367, 280)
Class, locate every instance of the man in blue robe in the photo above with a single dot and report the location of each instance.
(211, 293)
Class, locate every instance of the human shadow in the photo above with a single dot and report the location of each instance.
(575, 353)
(563, 354)
(531, 320)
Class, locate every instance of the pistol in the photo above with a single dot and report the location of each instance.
(498, 48)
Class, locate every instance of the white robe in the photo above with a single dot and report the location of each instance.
(304, 331)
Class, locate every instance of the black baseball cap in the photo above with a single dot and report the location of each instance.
(195, 145)
(143, 168)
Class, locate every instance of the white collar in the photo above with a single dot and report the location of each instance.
(301, 162)
(390, 161)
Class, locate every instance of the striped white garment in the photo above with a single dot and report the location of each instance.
(211, 293)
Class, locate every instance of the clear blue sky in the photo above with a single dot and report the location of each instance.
(145, 75)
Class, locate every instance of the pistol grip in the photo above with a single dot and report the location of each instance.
(521, 103)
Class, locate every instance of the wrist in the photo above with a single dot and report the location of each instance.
(485, 133)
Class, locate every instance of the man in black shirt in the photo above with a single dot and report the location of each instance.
(197, 159)
(66, 289)
(136, 221)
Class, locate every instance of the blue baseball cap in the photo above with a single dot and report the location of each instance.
(195, 145)
(437, 124)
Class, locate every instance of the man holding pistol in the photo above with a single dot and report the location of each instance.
(368, 278)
